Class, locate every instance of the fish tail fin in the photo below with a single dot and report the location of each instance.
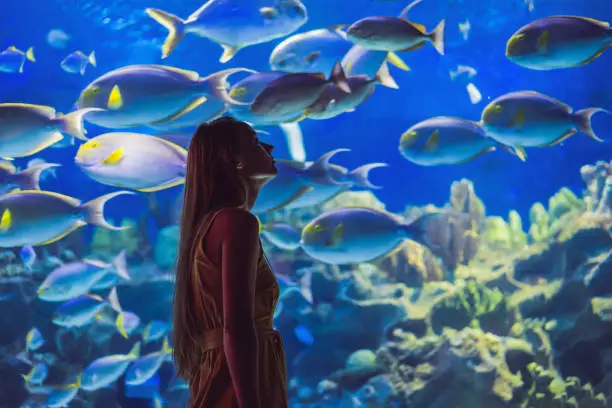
(94, 211)
(120, 265)
(72, 123)
(29, 178)
(76, 384)
(30, 54)
(174, 25)
(92, 58)
(166, 346)
(583, 119)
(120, 325)
(360, 175)
(135, 351)
(437, 37)
(295, 140)
(338, 77)
(113, 301)
(216, 84)
(383, 77)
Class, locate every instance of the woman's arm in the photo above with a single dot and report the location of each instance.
(239, 258)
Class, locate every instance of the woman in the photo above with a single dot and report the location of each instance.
(224, 341)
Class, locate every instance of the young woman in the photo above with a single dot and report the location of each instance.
(224, 341)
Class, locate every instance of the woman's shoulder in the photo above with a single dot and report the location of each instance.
(236, 220)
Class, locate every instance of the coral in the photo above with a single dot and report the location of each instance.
(598, 181)
(109, 243)
(546, 389)
(365, 199)
(501, 236)
(473, 368)
(538, 217)
(412, 264)
(472, 305)
(166, 247)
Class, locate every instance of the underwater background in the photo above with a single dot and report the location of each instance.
(504, 300)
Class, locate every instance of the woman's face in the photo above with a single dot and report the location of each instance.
(256, 158)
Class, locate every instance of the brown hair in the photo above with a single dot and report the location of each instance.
(211, 182)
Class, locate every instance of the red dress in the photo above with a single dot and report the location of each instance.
(212, 387)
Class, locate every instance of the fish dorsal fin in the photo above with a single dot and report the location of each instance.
(42, 109)
(13, 48)
(322, 164)
(550, 99)
(8, 167)
(228, 53)
(71, 200)
(409, 7)
(179, 149)
(604, 24)
(189, 74)
(432, 142)
(543, 42)
(419, 27)
(97, 263)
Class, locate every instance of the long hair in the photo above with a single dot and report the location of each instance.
(211, 182)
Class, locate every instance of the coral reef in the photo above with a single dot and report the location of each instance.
(495, 314)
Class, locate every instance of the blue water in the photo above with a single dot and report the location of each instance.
(121, 34)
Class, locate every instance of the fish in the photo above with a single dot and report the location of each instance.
(76, 62)
(559, 42)
(244, 93)
(387, 33)
(129, 322)
(62, 396)
(312, 51)
(334, 101)
(282, 235)
(74, 279)
(294, 179)
(150, 95)
(37, 374)
(295, 92)
(104, 371)
(445, 140)
(212, 109)
(133, 160)
(182, 139)
(147, 366)
(28, 256)
(154, 330)
(82, 310)
(27, 179)
(357, 234)
(37, 217)
(26, 129)
(233, 24)
(57, 38)
(12, 59)
(34, 339)
(531, 119)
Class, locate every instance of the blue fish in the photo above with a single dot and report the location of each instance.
(37, 375)
(282, 236)
(12, 59)
(76, 62)
(234, 24)
(28, 256)
(303, 335)
(147, 366)
(311, 51)
(356, 235)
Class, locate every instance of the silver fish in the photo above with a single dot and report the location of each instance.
(76, 62)
(12, 59)
(133, 160)
(234, 24)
